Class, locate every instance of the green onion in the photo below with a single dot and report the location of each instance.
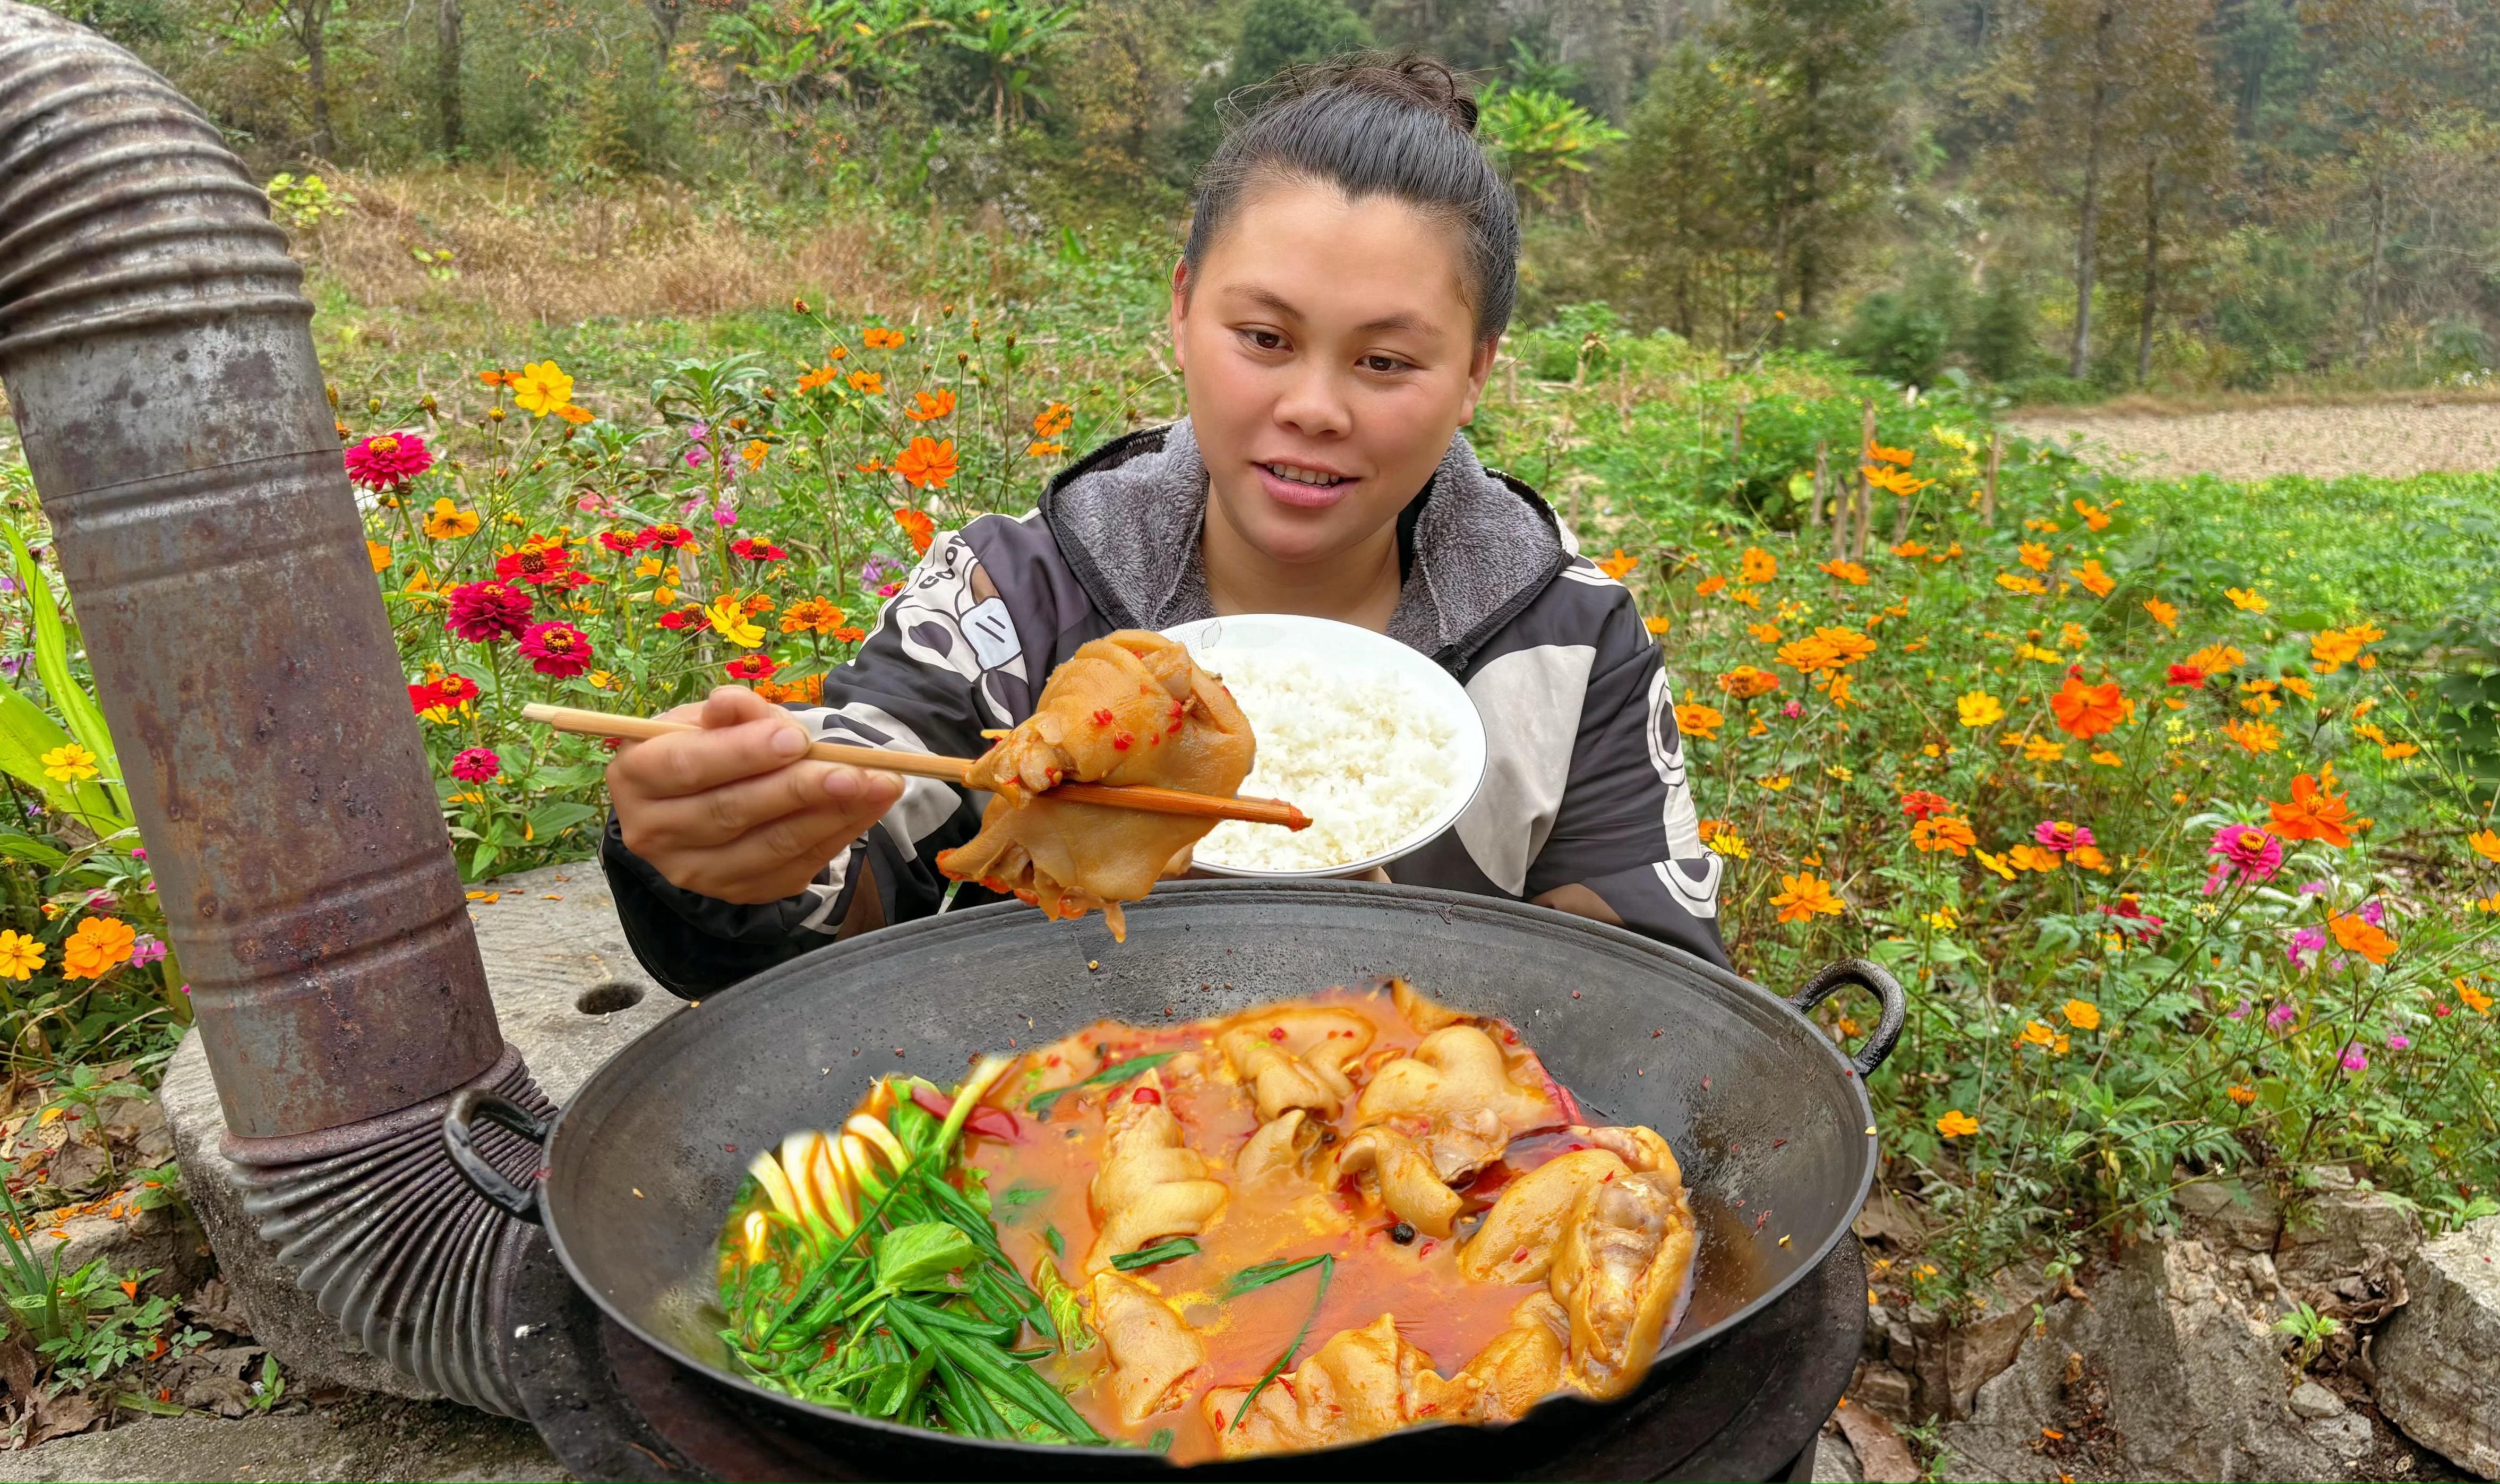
(1161, 1442)
(1118, 1071)
(1264, 1273)
(1327, 1263)
(1161, 1252)
(1058, 1244)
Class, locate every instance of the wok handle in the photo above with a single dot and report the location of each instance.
(475, 1105)
(1865, 975)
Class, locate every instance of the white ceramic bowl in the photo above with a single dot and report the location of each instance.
(1355, 654)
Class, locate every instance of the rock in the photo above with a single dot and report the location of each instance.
(1883, 1389)
(165, 1239)
(568, 993)
(373, 1439)
(2313, 1400)
(2349, 1436)
(1882, 1458)
(1833, 1462)
(2171, 1361)
(2438, 1360)
(1953, 1361)
(2344, 1227)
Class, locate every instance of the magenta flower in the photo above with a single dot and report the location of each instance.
(476, 765)
(2308, 941)
(146, 950)
(2060, 836)
(139, 853)
(2281, 1016)
(558, 649)
(2397, 1040)
(2355, 1058)
(388, 461)
(1792, 711)
(2239, 1012)
(484, 612)
(2374, 913)
(2254, 854)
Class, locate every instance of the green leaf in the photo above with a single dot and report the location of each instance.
(17, 845)
(1161, 1252)
(1118, 1071)
(1261, 1274)
(557, 817)
(921, 1255)
(68, 695)
(1058, 1244)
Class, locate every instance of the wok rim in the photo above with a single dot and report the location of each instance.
(1450, 902)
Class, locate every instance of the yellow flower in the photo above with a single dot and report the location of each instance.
(1776, 783)
(2014, 584)
(1729, 843)
(1764, 633)
(2108, 759)
(2397, 752)
(20, 955)
(1956, 1124)
(1979, 709)
(752, 455)
(1942, 919)
(2027, 651)
(728, 620)
(1698, 721)
(2095, 580)
(69, 763)
(2073, 636)
(2040, 749)
(1801, 897)
(2083, 1014)
(448, 523)
(2246, 599)
(2035, 1033)
(2163, 614)
(379, 554)
(541, 388)
(2254, 737)
(2030, 857)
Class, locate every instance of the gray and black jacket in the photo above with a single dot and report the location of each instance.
(1585, 779)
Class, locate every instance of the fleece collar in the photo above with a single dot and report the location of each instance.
(1128, 517)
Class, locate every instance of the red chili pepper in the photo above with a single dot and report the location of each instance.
(1103, 718)
(1275, 1032)
(1120, 742)
(986, 1122)
(1145, 1095)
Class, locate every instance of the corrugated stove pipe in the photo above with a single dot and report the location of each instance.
(157, 352)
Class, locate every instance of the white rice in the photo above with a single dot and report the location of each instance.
(1366, 757)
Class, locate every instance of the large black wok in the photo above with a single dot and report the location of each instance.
(1770, 1121)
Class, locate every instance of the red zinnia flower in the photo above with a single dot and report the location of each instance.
(388, 461)
(558, 649)
(753, 667)
(476, 765)
(1919, 804)
(536, 562)
(756, 548)
(667, 533)
(484, 612)
(422, 699)
(691, 616)
(620, 542)
(2186, 675)
(455, 687)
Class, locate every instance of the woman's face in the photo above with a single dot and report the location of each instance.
(1330, 352)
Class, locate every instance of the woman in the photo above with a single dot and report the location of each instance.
(1351, 265)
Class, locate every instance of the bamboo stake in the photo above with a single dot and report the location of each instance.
(1822, 473)
(951, 770)
(1987, 491)
(1865, 490)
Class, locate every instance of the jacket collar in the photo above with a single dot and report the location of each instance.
(1128, 519)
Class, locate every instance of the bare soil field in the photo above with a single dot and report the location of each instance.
(2383, 438)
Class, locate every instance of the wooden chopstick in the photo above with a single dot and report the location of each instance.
(952, 770)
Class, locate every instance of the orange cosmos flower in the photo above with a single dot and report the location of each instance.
(2359, 935)
(2215, 659)
(928, 463)
(1756, 567)
(2254, 737)
(867, 382)
(2163, 614)
(99, 944)
(1764, 633)
(1053, 420)
(1880, 453)
(2316, 810)
(1846, 572)
(919, 527)
(1617, 565)
(928, 406)
(2242, 1094)
(2088, 710)
(1956, 1124)
(1809, 656)
(2095, 580)
(1801, 897)
(1710, 584)
(2485, 844)
(1700, 721)
(880, 338)
(809, 380)
(2033, 555)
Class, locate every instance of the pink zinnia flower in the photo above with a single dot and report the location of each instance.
(2397, 1040)
(2254, 854)
(146, 950)
(2060, 836)
(2355, 1058)
(558, 649)
(476, 765)
(484, 611)
(1792, 711)
(388, 461)
(2281, 1015)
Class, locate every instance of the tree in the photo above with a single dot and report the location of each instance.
(1679, 202)
(1822, 116)
(1277, 34)
(2175, 127)
(446, 76)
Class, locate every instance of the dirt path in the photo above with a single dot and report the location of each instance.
(2390, 439)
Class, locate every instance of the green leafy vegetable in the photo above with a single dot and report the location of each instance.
(1161, 1252)
(921, 1255)
(1118, 1071)
(1327, 1265)
(1016, 1196)
(1058, 1244)
(1262, 1274)
(1059, 1300)
(1161, 1442)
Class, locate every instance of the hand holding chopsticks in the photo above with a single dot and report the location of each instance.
(950, 770)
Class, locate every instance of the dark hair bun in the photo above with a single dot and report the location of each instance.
(1399, 126)
(1421, 83)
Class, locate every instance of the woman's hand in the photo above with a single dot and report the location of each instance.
(737, 811)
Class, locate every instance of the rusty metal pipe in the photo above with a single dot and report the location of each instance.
(156, 347)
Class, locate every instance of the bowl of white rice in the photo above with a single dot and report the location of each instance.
(1378, 745)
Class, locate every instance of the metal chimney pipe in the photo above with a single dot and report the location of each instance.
(157, 352)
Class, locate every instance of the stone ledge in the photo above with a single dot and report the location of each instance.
(569, 994)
